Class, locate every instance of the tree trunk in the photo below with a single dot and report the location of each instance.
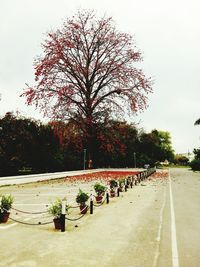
(90, 146)
(90, 141)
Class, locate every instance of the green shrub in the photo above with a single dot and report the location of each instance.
(121, 182)
(6, 202)
(113, 183)
(82, 197)
(195, 164)
(56, 208)
(99, 188)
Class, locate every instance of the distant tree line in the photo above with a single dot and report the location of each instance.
(29, 146)
(181, 160)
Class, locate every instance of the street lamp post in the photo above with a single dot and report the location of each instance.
(84, 158)
(134, 155)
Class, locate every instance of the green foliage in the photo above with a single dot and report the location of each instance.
(121, 182)
(82, 197)
(129, 180)
(27, 144)
(99, 188)
(6, 202)
(195, 164)
(156, 146)
(197, 153)
(197, 122)
(56, 208)
(181, 160)
(113, 183)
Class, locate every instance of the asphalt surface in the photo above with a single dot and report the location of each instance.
(134, 230)
(186, 195)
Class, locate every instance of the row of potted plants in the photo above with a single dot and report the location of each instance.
(82, 197)
(56, 207)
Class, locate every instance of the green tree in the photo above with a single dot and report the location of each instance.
(167, 151)
(181, 160)
(197, 122)
(197, 153)
(26, 143)
(155, 147)
(195, 163)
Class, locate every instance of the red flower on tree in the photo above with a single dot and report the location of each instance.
(87, 73)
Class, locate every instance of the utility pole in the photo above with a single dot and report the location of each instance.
(84, 158)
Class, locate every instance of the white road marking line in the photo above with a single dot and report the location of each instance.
(161, 217)
(175, 258)
(159, 231)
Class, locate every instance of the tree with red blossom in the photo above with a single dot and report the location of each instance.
(88, 72)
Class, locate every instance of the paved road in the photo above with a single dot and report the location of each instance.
(155, 224)
(184, 243)
(168, 234)
(186, 197)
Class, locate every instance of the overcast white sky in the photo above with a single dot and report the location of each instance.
(167, 32)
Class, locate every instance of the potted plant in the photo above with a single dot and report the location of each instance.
(121, 184)
(5, 206)
(81, 198)
(128, 181)
(100, 191)
(113, 186)
(56, 210)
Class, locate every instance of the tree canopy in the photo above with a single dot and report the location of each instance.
(197, 122)
(26, 143)
(156, 146)
(87, 73)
